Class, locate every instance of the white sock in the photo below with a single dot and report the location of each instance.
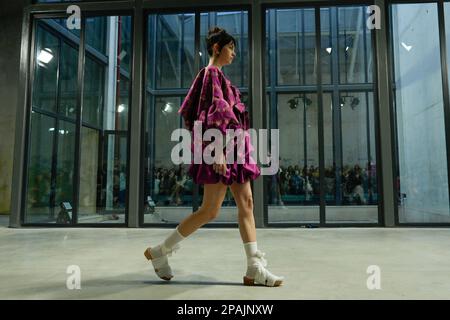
(168, 244)
(250, 251)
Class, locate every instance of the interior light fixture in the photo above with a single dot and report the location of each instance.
(45, 56)
(167, 107)
(120, 108)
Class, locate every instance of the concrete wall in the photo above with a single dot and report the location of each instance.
(421, 131)
(11, 28)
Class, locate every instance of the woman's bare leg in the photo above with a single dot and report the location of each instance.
(256, 271)
(213, 196)
(243, 197)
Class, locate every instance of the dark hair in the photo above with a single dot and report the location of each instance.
(220, 36)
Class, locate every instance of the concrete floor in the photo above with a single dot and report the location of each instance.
(316, 263)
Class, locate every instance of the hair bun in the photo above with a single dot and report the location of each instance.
(215, 30)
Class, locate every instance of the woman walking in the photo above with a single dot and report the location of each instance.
(214, 102)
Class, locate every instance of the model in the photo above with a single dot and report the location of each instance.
(214, 102)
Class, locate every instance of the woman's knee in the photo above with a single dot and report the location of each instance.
(209, 213)
(247, 202)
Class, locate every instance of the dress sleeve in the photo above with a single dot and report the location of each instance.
(220, 114)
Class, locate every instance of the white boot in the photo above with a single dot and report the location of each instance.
(158, 255)
(256, 268)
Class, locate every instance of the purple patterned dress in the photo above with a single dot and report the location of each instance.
(214, 101)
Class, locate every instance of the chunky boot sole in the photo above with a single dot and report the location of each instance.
(251, 282)
(149, 257)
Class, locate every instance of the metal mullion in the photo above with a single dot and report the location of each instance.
(376, 121)
(242, 36)
(393, 116)
(386, 187)
(304, 47)
(152, 118)
(368, 144)
(336, 88)
(58, 116)
(135, 131)
(90, 126)
(146, 147)
(80, 91)
(58, 74)
(180, 83)
(195, 189)
(273, 70)
(364, 27)
(54, 167)
(95, 6)
(335, 98)
(305, 132)
(256, 94)
(445, 84)
(322, 218)
(266, 119)
(293, 89)
(273, 79)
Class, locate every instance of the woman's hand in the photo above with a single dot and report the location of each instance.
(220, 165)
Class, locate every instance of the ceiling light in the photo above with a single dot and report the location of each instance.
(45, 56)
(167, 107)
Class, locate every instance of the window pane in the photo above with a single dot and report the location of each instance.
(38, 204)
(296, 43)
(421, 148)
(269, 46)
(235, 23)
(46, 67)
(298, 177)
(96, 32)
(104, 136)
(167, 185)
(327, 42)
(354, 45)
(52, 137)
(68, 81)
(170, 50)
(93, 92)
(350, 159)
(65, 162)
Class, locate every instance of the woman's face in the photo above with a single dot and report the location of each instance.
(227, 54)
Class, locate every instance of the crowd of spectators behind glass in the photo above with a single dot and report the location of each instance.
(171, 184)
(356, 183)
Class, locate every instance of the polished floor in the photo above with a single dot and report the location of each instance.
(316, 263)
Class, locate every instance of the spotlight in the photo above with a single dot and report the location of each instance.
(45, 56)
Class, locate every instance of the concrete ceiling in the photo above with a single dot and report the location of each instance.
(8, 7)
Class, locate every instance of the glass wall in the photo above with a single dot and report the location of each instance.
(421, 164)
(170, 70)
(350, 186)
(350, 180)
(104, 133)
(51, 160)
(53, 150)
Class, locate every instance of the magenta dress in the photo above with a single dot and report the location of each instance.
(214, 101)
